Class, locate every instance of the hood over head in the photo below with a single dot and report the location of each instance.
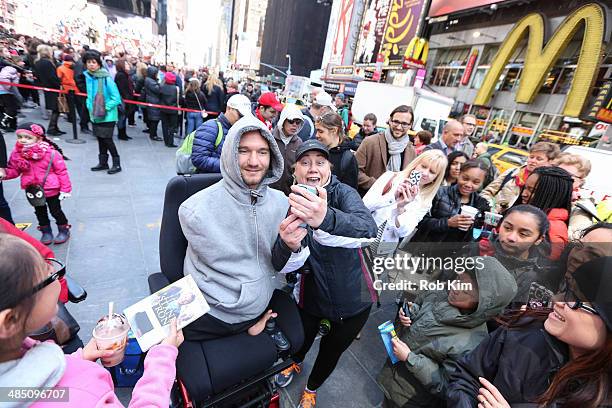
(230, 168)
(152, 72)
(290, 112)
(170, 78)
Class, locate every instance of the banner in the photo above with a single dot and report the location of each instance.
(443, 7)
(401, 28)
(343, 29)
(372, 31)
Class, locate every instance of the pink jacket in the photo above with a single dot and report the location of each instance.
(31, 163)
(90, 385)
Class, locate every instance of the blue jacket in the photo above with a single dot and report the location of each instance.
(204, 155)
(112, 98)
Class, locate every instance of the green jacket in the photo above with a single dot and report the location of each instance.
(439, 333)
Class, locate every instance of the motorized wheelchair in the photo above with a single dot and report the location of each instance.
(222, 372)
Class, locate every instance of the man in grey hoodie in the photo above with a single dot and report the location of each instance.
(239, 234)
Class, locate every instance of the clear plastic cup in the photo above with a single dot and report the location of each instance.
(112, 335)
(470, 211)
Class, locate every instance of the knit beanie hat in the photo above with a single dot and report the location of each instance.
(92, 55)
(31, 128)
(170, 78)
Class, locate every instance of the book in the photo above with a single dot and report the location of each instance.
(150, 318)
(387, 332)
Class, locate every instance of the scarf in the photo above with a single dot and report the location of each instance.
(521, 177)
(29, 153)
(396, 148)
(99, 103)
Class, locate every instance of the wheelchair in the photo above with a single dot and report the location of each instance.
(221, 372)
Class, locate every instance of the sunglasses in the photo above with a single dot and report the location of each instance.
(570, 299)
(59, 271)
(294, 121)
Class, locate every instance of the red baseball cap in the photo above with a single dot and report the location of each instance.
(269, 99)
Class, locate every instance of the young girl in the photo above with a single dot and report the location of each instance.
(550, 189)
(445, 223)
(29, 290)
(32, 156)
(330, 132)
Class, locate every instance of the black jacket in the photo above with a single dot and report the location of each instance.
(192, 103)
(124, 85)
(152, 92)
(447, 202)
(46, 73)
(3, 157)
(170, 96)
(344, 165)
(332, 280)
(520, 362)
(79, 77)
(215, 100)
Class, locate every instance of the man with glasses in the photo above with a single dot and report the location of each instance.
(389, 150)
(322, 103)
(286, 136)
(452, 134)
(469, 126)
(209, 137)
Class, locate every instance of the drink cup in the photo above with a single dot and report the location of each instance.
(112, 335)
(469, 211)
(492, 218)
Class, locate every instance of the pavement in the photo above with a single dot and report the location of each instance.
(114, 247)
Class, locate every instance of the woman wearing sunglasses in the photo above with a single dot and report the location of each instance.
(560, 357)
(29, 290)
(286, 136)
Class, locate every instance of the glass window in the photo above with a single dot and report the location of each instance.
(492, 150)
(550, 80)
(479, 77)
(488, 54)
(443, 77)
(432, 77)
(565, 80)
(509, 79)
(455, 78)
(514, 158)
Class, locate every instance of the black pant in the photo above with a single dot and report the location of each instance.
(106, 146)
(131, 112)
(79, 102)
(55, 208)
(53, 120)
(5, 210)
(332, 345)
(152, 124)
(208, 327)
(169, 122)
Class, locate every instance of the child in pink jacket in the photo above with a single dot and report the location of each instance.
(30, 302)
(32, 156)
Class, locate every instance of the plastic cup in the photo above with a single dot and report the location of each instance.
(492, 219)
(469, 211)
(112, 336)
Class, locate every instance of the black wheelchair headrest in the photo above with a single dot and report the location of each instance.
(172, 242)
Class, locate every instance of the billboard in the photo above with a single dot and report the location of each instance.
(372, 31)
(343, 29)
(540, 57)
(443, 7)
(402, 23)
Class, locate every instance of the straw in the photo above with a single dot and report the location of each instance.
(110, 313)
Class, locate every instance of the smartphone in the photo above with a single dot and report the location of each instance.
(407, 311)
(414, 178)
(539, 296)
(312, 190)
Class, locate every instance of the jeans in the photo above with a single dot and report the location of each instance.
(122, 116)
(194, 120)
(55, 208)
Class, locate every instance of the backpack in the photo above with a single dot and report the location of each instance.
(183, 153)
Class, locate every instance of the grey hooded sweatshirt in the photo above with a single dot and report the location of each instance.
(231, 231)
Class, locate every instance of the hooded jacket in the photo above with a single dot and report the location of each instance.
(8, 74)
(65, 73)
(152, 92)
(332, 288)
(90, 385)
(205, 156)
(520, 362)
(32, 169)
(440, 332)
(287, 149)
(112, 98)
(231, 231)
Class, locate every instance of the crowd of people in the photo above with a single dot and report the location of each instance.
(310, 202)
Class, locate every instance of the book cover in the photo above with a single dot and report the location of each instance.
(150, 318)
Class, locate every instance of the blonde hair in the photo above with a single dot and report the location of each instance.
(44, 51)
(193, 85)
(582, 163)
(438, 160)
(213, 79)
(141, 70)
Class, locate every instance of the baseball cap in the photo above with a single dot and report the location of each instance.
(241, 103)
(309, 145)
(269, 99)
(325, 99)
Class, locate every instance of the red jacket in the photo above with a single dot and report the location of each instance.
(558, 234)
(65, 73)
(43, 250)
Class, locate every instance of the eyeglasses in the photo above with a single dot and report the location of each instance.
(59, 271)
(469, 124)
(402, 124)
(294, 121)
(570, 299)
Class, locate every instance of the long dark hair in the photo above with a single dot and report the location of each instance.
(451, 158)
(552, 190)
(17, 276)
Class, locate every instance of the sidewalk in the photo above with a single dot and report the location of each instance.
(114, 247)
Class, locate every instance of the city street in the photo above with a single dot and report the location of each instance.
(114, 247)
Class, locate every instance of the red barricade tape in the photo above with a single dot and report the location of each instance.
(129, 101)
